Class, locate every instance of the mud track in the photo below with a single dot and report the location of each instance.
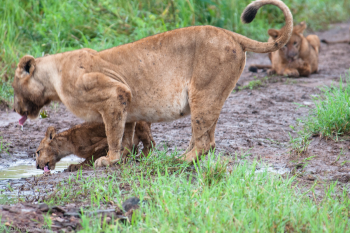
(256, 120)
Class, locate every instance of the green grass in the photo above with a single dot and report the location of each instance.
(254, 84)
(205, 197)
(330, 117)
(4, 147)
(47, 26)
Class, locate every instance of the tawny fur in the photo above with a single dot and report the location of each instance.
(87, 141)
(159, 78)
(299, 57)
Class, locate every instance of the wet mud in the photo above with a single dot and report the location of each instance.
(254, 125)
(27, 217)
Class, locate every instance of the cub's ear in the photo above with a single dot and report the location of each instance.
(273, 33)
(26, 66)
(300, 28)
(50, 133)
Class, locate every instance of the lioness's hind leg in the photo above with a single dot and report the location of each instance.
(205, 111)
(203, 138)
(191, 145)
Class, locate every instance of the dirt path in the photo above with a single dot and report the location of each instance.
(257, 120)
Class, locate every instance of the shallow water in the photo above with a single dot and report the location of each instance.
(274, 169)
(25, 168)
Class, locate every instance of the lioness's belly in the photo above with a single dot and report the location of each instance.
(160, 104)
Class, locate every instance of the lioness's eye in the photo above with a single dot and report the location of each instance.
(38, 152)
(295, 43)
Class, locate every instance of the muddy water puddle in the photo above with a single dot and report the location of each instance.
(26, 168)
(274, 169)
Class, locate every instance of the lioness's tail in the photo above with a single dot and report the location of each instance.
(258, 47)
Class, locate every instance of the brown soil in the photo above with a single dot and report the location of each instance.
(254, 124)
(31, 217)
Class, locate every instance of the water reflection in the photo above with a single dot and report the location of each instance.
(22, 169)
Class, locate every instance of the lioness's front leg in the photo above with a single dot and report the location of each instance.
(114, 117)
(109, 98)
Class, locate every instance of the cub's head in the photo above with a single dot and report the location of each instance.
(291, 50)
(47, 152)
(29, 91)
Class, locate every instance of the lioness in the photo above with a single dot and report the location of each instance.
(299, 57)
(159, 78)
(87, 141)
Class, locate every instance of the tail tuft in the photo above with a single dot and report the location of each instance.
(253, 69)
(249, 14)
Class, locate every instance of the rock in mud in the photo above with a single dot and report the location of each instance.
(131, 203)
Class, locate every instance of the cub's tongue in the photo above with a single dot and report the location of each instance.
(46, 169)
(22, 120)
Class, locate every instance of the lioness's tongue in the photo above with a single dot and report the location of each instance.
(22, 120)
(46, 169)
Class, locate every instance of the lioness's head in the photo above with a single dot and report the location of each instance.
(47, 152)
(29, 92)
(291, 50)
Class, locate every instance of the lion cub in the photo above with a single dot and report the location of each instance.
(87, 140)
(299, 57)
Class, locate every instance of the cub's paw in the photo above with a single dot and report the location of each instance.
(271, 72)
(291, 73)
(102, 162)
(73, 167)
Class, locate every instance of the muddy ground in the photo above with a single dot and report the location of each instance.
(254, 124)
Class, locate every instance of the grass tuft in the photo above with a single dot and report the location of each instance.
(331, 116)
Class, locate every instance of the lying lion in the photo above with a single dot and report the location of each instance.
(159, 78)
(299, 57)
(87, 141)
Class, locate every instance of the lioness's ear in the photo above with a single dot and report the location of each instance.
(50, 132)
(300, 28)
(273, 33)
(26, 66)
